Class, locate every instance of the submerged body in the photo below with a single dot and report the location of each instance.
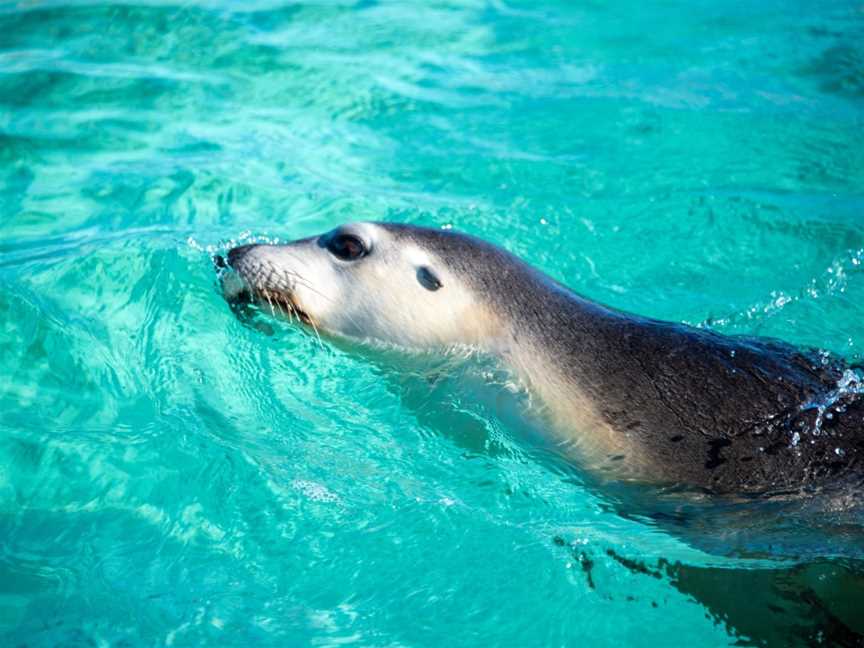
(636, 398)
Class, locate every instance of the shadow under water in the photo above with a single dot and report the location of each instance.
(778, 570)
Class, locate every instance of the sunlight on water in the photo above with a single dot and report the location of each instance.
(172, 476)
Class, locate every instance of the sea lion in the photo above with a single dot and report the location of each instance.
(634, 397)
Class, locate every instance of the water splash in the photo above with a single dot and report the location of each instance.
(849, 384)
(245, 237)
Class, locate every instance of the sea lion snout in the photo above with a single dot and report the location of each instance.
(237, 253)
(235, 287)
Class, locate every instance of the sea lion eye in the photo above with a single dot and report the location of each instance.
(347, 247)
(428, 279)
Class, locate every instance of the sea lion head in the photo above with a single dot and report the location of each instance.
(394, 284)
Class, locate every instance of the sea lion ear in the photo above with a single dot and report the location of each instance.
(428, 279)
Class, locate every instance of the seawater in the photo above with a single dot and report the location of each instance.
(170, 476)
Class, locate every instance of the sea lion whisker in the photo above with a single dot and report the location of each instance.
(303, 282)
(315, 329)
(306, 284)
(290, 307)
(267, 296)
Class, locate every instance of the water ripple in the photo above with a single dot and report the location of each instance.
(175, 477)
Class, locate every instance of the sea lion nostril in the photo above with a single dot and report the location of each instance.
(237, 253)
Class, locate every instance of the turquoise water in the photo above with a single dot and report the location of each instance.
(169, 476)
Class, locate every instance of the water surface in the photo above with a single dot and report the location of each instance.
(173, 477)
